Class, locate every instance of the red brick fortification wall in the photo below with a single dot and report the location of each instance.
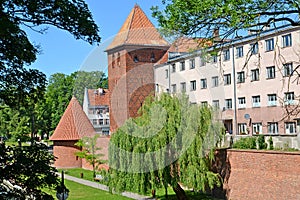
(64, 151)
(262, 175)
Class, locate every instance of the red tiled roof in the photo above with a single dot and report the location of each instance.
(97, 99)
(74, 123)
(184, 45)
(138, 30)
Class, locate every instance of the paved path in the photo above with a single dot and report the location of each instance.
(103, 187)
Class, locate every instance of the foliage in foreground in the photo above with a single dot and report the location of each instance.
(172, 141)
(29, 170)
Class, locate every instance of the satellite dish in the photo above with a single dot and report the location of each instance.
(247, 116)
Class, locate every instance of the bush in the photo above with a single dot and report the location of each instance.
(261, 142)
(245, 143)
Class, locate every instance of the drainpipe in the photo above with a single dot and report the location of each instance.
(234, 92)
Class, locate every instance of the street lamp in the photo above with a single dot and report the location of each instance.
(62, 192)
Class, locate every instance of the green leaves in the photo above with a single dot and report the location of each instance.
(29, 167)
(167, 144)
(199, 18)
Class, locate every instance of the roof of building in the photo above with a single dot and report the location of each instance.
(98, 97)
(138, 30)
(74, 123)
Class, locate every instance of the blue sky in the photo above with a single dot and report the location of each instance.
(60, 52)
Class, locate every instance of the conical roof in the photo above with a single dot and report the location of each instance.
(74, 124)
(137, 30)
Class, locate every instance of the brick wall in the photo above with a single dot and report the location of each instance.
(265, 175)
(131, 80)
(65, 154)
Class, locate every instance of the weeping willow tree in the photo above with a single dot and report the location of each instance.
(171, 142)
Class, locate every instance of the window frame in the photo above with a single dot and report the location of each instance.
(214, 81)
(193, 85)
(227, 79)
(228, 104)
(287, 40)
(203, 83)
(271, 72)
(255, 75)
(239, 51)
(256, 101)
(241, 79)
(226, 55)
(270, 44)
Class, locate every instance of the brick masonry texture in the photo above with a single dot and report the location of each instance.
(260, 175)
(65, 154)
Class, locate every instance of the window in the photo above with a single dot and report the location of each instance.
(271, 72)
(242, 102)
(183, 87)
(203, 83)
(193, 85)
(192, 64)
(270, 44)
(290, 127)
(272, 100)
(174, 89)
(182, 66)
(239, 52)
(167, 73)
(288, 69)
(228, 103)
(215, 81)
(256, 101)
(226, 55)
(216, 104)
(119, 60)
(254, 48)
(173, 68)
(95, 122)
(215, 58)
(227, 79)
(289, 98)
(257, 128)
(101, 122)
(241, 77)
(273, 127)
(204, 103)
(255, 75)
(287, 40)
(242, 128)
(136, 59)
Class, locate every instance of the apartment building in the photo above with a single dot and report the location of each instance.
(252, 80)
(96, 107)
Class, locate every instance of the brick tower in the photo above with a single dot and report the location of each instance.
(131, 57)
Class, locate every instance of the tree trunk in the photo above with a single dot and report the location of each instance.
(180, 193)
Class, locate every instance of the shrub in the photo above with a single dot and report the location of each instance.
(245, 143)
(261, 142)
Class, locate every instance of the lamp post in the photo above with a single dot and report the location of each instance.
(62, 192)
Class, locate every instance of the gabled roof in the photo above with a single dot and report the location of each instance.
(74, 123)
(137, 30)
(99, 97)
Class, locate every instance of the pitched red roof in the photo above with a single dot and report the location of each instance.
(138, 30)
(74, 123)
(95, 97)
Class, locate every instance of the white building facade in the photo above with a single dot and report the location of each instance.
(254, 81)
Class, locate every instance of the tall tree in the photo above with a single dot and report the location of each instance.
(201, 18)
(17, 82)
(165, 146)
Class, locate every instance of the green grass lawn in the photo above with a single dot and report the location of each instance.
(82, 192)
(160, 193)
